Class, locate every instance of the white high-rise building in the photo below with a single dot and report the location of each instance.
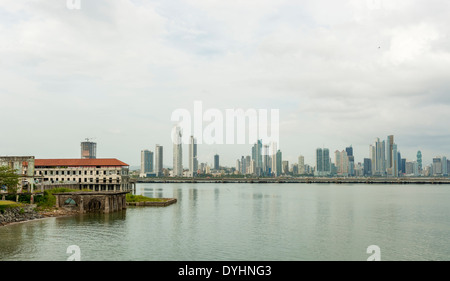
(341, 162)
(301, 165)
(177, 153)
(193, 162)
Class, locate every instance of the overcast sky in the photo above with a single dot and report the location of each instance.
(340, 72)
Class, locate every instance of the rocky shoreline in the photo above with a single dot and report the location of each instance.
(28, 212)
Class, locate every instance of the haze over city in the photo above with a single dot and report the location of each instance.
(114, 71)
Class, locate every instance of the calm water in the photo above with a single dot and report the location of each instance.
(250, 222)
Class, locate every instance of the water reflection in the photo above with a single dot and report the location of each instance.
(249, 222)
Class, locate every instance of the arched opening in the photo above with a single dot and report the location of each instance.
(70, 202)
(94, 205)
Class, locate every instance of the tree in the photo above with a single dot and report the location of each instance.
(9, 178)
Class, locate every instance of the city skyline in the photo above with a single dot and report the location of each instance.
(384, 159)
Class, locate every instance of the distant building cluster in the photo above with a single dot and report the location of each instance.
(385, 160)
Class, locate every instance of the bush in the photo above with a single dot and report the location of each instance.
(24, 198)
(140, 198)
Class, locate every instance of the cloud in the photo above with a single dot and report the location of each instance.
(343, 73)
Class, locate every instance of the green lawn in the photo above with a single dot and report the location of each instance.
(140, 198)
(6, 204)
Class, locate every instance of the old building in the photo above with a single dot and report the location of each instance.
(24, 167)
(93, 174)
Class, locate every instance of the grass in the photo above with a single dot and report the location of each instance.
(8, 204)
(141, 198)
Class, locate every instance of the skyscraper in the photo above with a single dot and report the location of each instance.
(88, 150)
(367, 167)
(177, 153)
(389, 154)
(394, 161)
(193, 162)
(266, 160)
(301, 165)
(243, 166)
(279, 161)
(378, 157)
(146, 162)
(351, 161)
(341, 162)
(285, 165)
(444, 166)
(419, 161)
(437, 166)
(323, 164)
(159, 160)
(216, 162)
(238, 165)
(257, 156)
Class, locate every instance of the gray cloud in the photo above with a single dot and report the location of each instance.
(340, 73)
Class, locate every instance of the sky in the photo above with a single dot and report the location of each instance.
(340, 73)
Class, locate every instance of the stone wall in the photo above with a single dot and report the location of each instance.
(167, 202)
(18, 214)
(84, 202)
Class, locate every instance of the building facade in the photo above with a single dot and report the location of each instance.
(88, 150)
(159, 160)
(177, 153)
(193, 161)
(146, 162)
(323, 162)
(216, 162)
(93, 174)
(24, 167)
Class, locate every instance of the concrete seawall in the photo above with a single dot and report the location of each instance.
(169, 201)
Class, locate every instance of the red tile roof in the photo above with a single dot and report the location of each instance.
(78, 162)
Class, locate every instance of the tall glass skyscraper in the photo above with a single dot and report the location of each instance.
(88, 150)
(216, 162)
(419, 160)
(378, 156)
(177, 153)
(323, 162)
(193, 162)
(146, 162)
(159, 160)
(257, 157)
